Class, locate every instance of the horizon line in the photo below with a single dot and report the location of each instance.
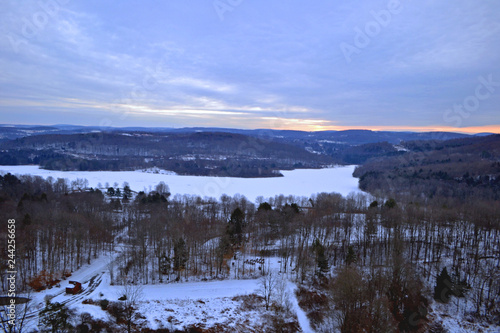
(493, 129)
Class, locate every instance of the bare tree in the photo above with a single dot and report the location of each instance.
(348, 292)
(282, 295)
(131, 295)
(162, 188)
(268, 285)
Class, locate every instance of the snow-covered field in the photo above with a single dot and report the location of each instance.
(301, 182)
(171, 305)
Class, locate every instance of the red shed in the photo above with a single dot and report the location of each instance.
(77, 287)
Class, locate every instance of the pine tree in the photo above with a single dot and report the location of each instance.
(55, 317)
(127, 191)
(351, 256)
(180, 254)
(444, 287)
(111, 191)
(235, 227)
(391, 203)
(321, 259)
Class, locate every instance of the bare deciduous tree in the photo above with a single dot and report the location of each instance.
(268, 285)
(131, 295)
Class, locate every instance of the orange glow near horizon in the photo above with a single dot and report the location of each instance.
(469, 130)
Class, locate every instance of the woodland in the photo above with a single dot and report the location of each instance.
(385, 260)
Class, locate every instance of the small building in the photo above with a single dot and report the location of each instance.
(75, 289)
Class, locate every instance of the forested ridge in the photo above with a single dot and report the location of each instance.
(221, 154)
(198, 151)
(463, 169)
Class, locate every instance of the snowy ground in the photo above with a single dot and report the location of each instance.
(301, 182)
(175, 305)
(301, 315)
(452, 318)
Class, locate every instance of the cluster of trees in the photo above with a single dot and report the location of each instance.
(57, 231)
(396, 249)
(391, 267)
(125, 192)
(382, 261)
(461, 169)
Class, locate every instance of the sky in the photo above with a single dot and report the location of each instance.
(304, 65)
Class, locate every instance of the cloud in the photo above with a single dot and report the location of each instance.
(179, 63)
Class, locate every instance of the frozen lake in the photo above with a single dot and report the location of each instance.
(301, 182)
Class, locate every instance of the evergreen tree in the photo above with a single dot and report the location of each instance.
(55, 317)
(180, 254)
(391, 203)
(127, 191)
(235, 228)
(351, 256)
(264, 207)
(111, 191)
(444, 287)
(321, 259)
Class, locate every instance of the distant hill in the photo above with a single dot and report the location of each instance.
(348, 137)
(198, 153)
(341, 147)
(460, 168)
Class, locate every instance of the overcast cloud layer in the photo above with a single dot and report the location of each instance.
(252, 64)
